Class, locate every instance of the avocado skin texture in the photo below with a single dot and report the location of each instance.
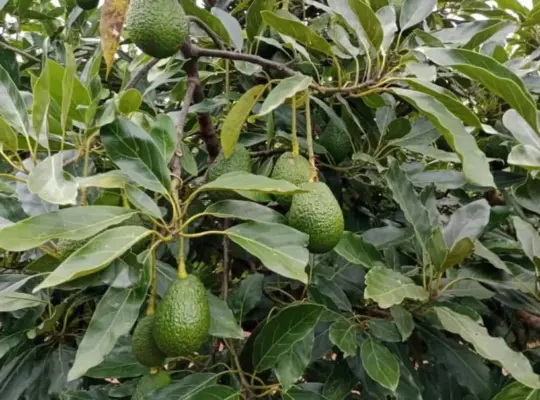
(182, 318)
(157, 27)
(292, 168)
(318, 214)
(144, 347)
(87, 4)
(239, 160)
(149, 383)
(337, 142)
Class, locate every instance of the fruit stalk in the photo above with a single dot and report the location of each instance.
(151, 310)
(311, 155)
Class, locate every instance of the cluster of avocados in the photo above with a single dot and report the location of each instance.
(157, 27)
(315, 212)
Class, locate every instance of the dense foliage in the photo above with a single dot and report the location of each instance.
(121, 173)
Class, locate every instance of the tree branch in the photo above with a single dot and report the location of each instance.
(23, 53)
(143, 71)
(215, 38)
(206, 128)
(226, 262)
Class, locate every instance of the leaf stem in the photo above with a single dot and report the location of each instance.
(294, 138)
(311, 155)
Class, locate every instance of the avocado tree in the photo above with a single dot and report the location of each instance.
(320, 199)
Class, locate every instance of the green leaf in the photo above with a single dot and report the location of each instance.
(298, 31)
(282, 332)
(254, 21)
(521, 129)
(115, 315)
(356, 250)
(415, 11)
(135, 153)
(292, 364)
(12, 106)
(222, 322)
(8, 138)
(244, 210)
(114, 179)
(235, 119)
(17, 301)
(485, 34)
(217, 392)
(489, 347)
(75, 223)
(403, 320)
(343, 334)
(384, 330)
(482, 251)
(95, 255)
(475, 164)
(495, 76)
(248, 294)
(48, 181)
(40, 105)
(284, 90)
(67, 85)
(10, 340)
(119, 363)
(186, 388)
(142, 201)
(191, 8)
(387, 16)
(387, 287)
(380, 364)
(517, 391)
(83, 395)
(164, 134)
(529, 240)
(447, 98)
(369, 22)
(525, 156)
(303, 394)
(232, 25)
(245, 181)
(280, 248)
(129, 101)
(187, 160)
(468, 222)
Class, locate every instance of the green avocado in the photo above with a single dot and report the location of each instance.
(157, 27)
(87, 4)
(149, 383)
(337, 142)
(182, 318)
(318, 214)
(239, 160)
(293, 168)
(144, 347)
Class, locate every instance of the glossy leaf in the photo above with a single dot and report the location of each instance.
(343, 335)
(142, 201)
(468, 222)
(297, 31)
(489, 347)
(232, 26)
(191, 8)
(403, 320)
(380, 364)
(74, 223)
(114, 179)
(136, 154)
(186, 388)
(114, 316)
(529, 239)
(40, 105)
(495, 76)
(254, 21)
(17, 301)
(387, 288)
(521, 129)
(475, 165)
(68, 82)
(164, 134)
(280, 248)
(129, 101)
(283, 332)
(244, 210)
(415, 11)
(356, 250)
(525, 156)
(248, 294)
(244, 181)
(95, 255)
(518, 391)
(12, 106)
(369, 22)
(222, 321)
(48, 180)
(234, 122)
(292, 364)
(284, 90)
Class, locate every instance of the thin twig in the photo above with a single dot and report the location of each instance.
(19, 51)
(243, 379)
(226, 262)
(215, 38)
(143, 71)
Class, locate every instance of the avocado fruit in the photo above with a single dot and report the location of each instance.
(149, 383)
(239, 160)
(157, 27)
(318, 214)
(144, 347)
(182, 318)
(292, 168)
(87, 4)
(337, 142)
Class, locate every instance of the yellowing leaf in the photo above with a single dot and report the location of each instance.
(230, 132)
(113, 14)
